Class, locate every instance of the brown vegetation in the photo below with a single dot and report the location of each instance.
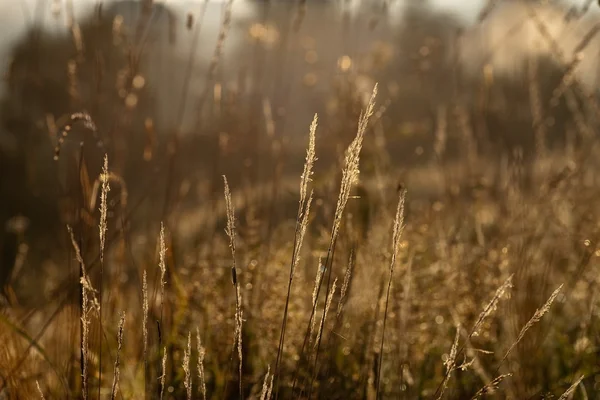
(441, 240)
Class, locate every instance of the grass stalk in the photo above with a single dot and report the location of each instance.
(398, 228)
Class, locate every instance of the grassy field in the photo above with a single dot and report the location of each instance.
(432, 232)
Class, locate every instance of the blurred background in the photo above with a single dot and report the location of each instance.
(181, 93)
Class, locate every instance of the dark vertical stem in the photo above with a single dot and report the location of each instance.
(322, 324)
(80, 240)
(387, 300)
(330, 254)
(100, 288)
(101, 329)
(285, 311)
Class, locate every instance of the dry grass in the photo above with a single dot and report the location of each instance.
(117, 373)
(295, 286)
(201, 354)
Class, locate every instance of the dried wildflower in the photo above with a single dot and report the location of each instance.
(318, 278)
(104, 206)
(145, 310)
(201, 353)
(117, 373)
(491, 306)
(450, 363)
(566, 395)
(112, 177)
(163, 376)
(345, 284)
(307, 173)
(230, 230)
(270, 390)
(89, 305)
(351, 170)
(490, 387)
(40, 390)
(187, 382)
(265, 387)
(325, 311)
(397, 230)
(68, 127)
(539, 313)
(162, 265)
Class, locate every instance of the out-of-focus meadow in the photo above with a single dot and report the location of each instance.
(263, 200)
